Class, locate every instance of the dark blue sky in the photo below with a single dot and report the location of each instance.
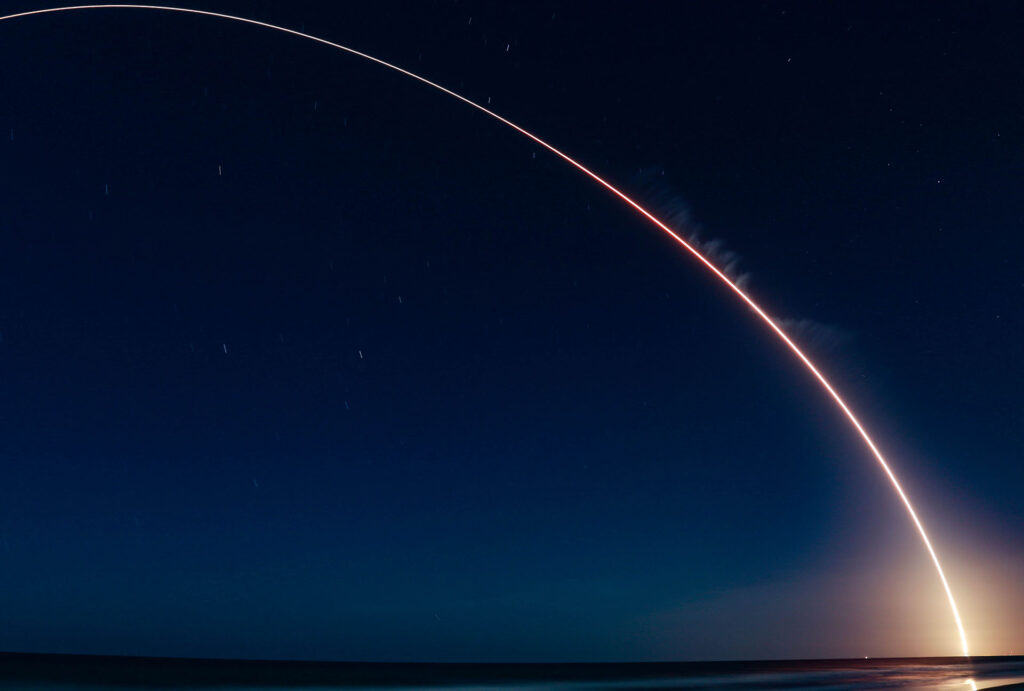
(301, 359)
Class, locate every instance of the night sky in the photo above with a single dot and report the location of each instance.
(300, 358)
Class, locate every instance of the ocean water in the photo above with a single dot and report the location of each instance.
(87, 673)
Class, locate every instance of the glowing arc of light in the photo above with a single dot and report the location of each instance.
(625, 198)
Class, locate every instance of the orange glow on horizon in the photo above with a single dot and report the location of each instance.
(729, 283)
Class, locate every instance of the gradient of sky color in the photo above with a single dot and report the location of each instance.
(303, 360)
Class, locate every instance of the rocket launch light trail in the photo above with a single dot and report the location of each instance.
(676, 237)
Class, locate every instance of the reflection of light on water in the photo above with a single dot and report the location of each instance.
(970, 682)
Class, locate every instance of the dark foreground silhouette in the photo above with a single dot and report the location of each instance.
(22, 670)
